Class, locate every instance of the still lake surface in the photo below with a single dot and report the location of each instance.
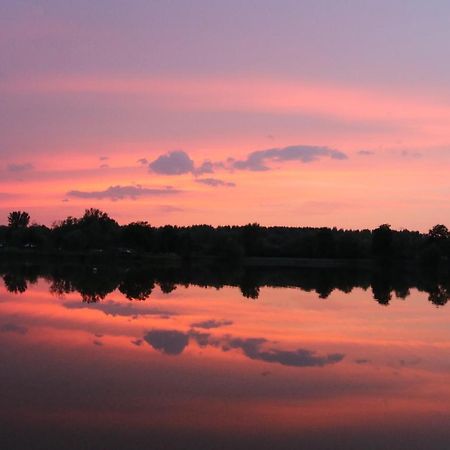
(165, 365)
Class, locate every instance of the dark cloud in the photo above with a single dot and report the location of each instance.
(366, 153)
(143, 161)
(137, 342)
(214, 182)
(121, 192)
(97, 342)
(362, 361)
(174, 342)
(253, 348)
(205, 167)
(13, 328)
(112, 308)
(176, 162)
(207, 324)
(169, 342)
(257, 161)
(18, 168)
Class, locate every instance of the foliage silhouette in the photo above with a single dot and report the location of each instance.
(96, 233)
(137, 282)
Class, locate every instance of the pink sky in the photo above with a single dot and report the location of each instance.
(84, 97)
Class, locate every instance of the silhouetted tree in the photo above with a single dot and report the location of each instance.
(382, 238)
(18, 219)
(439, 233)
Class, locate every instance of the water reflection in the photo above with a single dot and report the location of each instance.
(184, 367)
(94, 283)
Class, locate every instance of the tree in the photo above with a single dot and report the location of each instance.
(18, 219)
(382, 241)
(439, 233)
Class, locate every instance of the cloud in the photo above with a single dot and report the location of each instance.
(409, 154)
(169, 342)
(176, 162)
(121, 192)
(205, 167)
(142, 161)
(168, 209)
(257, 161)
(19, 168)
(208, 324)
(366, 153)
(103, 158)
(174, 342)
(13, 328)
(214, 182)
(111, 308)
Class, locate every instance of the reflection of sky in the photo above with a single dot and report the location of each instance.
(210, 362)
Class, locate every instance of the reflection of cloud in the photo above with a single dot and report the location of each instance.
(215, 182)
(253, 348)
(174, 342)
(18, 168)
(112, 308)
(207, 324)
(169, 342)
(257, 161)
(97, 342)
(13, 328)
(362, 361)
(366, 153)
(121, 192)
(410, 361)
(137, 342)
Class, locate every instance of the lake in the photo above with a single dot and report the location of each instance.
(101, 358)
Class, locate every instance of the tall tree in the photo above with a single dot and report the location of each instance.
(18, 219)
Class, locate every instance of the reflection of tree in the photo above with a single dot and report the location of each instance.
(61, 286)
(15, 283)
(167, 286)
(249, 287)
(94, 283)
(325, 285)
(440, 295)
(381, 286)
(137, 285)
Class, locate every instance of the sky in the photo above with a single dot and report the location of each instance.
(299, 113)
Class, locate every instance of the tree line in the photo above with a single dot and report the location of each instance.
(95, 231)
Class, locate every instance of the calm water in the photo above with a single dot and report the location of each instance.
(204, 368)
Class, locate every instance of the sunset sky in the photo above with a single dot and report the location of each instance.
(301, 113)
